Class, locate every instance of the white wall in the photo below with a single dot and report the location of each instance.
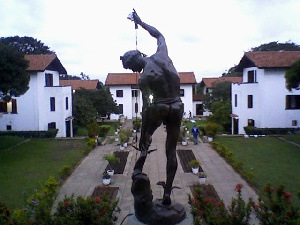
(128, 101)
(269, 100)
(33, 108)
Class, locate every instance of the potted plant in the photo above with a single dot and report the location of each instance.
(106, 179)
(211, 130)
(202, 178)
(123, 139)
(112, 159)
(195, 164)
(136, 124)
(183, 136)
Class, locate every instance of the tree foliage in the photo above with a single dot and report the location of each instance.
(221, 92)
(14, 79)
(27, 45)
(275, 46)
(293, 76)
(221, 114)
(97, 102)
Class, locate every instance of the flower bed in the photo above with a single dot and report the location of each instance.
(185, 156)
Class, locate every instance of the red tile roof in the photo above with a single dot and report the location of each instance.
(213, 81)
(132, 78)
(77, 84)
(270, 59)
(45, 61)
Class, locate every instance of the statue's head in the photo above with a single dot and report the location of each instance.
(133, 60)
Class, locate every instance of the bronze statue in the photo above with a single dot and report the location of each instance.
(160, 79)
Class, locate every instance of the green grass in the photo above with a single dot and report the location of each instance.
(9, 141)
(293, 138)
(270, 159)
(29, 164)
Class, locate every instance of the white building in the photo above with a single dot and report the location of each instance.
(125, 91)
(45, 105)
(262, 99)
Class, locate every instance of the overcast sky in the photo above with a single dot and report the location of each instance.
(206, 37)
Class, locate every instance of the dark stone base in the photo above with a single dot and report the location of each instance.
(167, 215)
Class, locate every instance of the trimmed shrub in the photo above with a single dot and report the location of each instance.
(103, 130)
(211, 129)
(93, 129)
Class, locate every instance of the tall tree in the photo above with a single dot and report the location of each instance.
(27, 45)
(221, 92)
(101, 103)
(14, 79)
(292, 76)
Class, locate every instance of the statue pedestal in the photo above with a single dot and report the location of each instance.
(132, 220)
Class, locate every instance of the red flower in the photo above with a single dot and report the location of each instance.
(238, 187)
(97, 199)
(66, 204)
(219, 204)
(207, 200)
(287, 195)
(200, 212)
(103, 211)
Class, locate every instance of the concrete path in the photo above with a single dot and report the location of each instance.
(88, 175)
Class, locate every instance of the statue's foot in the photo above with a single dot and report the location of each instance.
(166, 199)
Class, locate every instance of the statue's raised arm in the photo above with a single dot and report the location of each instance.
(161, 43)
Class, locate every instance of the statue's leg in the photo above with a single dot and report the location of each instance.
(151, 120)
(173, 130)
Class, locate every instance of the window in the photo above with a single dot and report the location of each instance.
(250, 101)
(120, 108)
(49, 80)
(181, 92)
(235, 100)
(9, 107)
(52, 104)
(294, 122)
(67, 103)
(119, 93)
(252, 76)
(51, 125)
(251, 123)
(134, 93)
(293, 102)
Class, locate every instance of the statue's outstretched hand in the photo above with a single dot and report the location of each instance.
(136, 18)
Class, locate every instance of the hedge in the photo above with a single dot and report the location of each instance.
(51, 133)
(264, 131)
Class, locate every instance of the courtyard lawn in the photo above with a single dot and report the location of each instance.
(270, 159)
(9, 141)
(27, 165)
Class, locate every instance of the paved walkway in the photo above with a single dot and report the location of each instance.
(88, 175)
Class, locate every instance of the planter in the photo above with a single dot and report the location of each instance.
(116, 139)
(106, 180)
(110, 172)
(202, 180)
(210, 139)
(125, 144)
(195, 170)
(184, 143)
(116, 132)
(122, 147)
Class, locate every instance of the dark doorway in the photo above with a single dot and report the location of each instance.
(68, 128)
